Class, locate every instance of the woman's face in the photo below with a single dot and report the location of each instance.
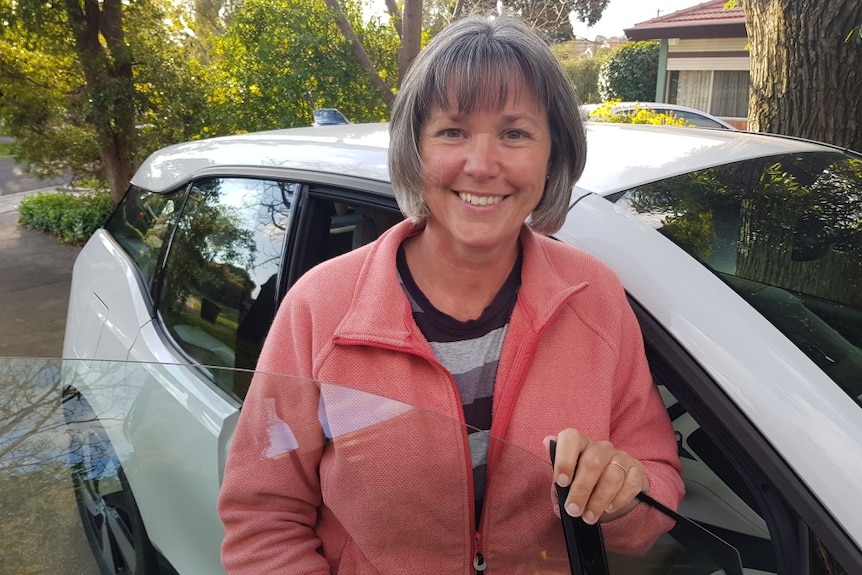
(485, 171)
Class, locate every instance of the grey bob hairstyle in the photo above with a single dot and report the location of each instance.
(477, 60)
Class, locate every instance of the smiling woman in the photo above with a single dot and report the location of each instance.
(466, 308)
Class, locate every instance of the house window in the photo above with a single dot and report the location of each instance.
(719, 92)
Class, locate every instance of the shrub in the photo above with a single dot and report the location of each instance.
(71, 217)
(582, 71)
(630, 73)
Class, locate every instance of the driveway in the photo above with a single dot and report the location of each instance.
(14, 179)
(34, 286)
(42, 533)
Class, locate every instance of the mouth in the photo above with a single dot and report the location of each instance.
(475, 200)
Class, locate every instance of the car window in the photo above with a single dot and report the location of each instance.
(695, 119)
(220, 282)
(141, 224)
(784, 232)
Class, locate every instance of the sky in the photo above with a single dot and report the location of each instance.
(621, 14)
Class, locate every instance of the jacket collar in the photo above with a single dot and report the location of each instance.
(380, 313)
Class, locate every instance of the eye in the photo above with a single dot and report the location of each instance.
(515, 135)
(450, 133)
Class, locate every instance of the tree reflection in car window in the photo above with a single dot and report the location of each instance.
(220, 279)
(141, 225)
(785, 232)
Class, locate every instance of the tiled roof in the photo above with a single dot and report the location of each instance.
(702, 20)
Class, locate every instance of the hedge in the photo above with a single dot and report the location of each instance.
(70, 217)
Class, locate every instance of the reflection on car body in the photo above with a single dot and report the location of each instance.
(741, 255)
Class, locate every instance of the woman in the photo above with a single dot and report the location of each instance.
(462, 310)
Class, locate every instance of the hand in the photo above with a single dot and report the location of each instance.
(606, 480)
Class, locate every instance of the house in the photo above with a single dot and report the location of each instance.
(704, 60)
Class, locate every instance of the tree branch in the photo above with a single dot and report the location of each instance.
(360, 53)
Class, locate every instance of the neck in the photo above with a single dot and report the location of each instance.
(460, 283)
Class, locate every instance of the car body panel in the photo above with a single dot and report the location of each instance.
(104, 277)
(176, 408)
(167, 425)
(621, 156)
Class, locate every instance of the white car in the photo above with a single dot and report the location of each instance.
(693, 117)
(741, 255)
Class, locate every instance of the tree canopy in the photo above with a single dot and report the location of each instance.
(269, 76)
(90, 88)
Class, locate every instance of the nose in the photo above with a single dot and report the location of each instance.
(482, 158)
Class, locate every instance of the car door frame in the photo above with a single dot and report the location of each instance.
(786, 504)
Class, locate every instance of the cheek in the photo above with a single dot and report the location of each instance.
(435, 169)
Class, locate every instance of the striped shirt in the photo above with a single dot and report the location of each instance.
(470, 351)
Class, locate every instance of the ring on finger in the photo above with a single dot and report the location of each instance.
(620, 465)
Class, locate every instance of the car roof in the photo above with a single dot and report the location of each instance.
(622, 156)
(358, 150)
(619, 156)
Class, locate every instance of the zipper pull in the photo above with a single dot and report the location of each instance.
(478, 559)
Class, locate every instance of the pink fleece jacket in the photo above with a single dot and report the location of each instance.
(393, 492)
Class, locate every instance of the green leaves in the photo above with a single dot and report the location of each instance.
(72, 218)
(629, 74)
(276, 50)
(854, 35)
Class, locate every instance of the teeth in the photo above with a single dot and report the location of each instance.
(480, 200)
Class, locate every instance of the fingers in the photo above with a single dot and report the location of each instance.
(604, 481)
(570, 444)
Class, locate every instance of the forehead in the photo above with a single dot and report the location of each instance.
(494, 89)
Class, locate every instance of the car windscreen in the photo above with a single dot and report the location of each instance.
(785, 232)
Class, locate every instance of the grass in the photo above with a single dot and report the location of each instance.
(5, 149)
(40, 532)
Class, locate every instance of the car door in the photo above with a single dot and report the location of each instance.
(737, 486)
(214, 296)
(750, 314)
(229, 262)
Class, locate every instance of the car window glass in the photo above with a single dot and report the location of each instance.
(141, 224)
(219, 290)
(731, 534)
(784, 232)
(696, 119)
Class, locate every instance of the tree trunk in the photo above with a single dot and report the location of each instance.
(360, 53)
(108, 74)
(806, 80)
(393, 10)
(411, 36)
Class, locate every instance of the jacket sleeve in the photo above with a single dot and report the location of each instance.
(270, 496)
(640, 426)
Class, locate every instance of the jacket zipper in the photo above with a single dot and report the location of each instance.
(478, 559)
(479, 563)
